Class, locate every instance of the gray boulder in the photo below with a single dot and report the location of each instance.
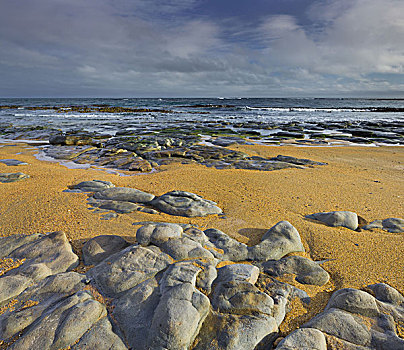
(225, 247)
(10, 243)
(187, 204)
(124, 194)
(101, 247)
(101, 337)
(92, 186)
(62, 324)
(346, 219)
(306, 271)
(357, 319)
(158, 233)
(278, 241)
(50, 254)
(163, 312)
(127, 268)
(12, 177)
(304, 338)
(238, 272)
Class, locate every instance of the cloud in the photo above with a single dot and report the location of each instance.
(140, 47)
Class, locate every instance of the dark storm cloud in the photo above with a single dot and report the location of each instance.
(197, 47)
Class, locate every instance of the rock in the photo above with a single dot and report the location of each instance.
(12, 177)
(163, 313)
(37, 300)
(47, 255)
(187, 204)
(354, 301)
(120, 207)
(12, 162)
(293, 160)
(100, 336)
(127, 268)
(70, 140)
(278, 241)
(92, 186)
(99, 248)
(10, 243)
(158, 233)
(393, 225)
(373, 224)
(342, 325)
(124, 194)
(306, 271)
(304, 338)
(385, 293)
(355, 318)
(224, 247)
(346, 219)
(238, 272)
(64, 325)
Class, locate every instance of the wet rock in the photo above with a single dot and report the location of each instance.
(125, 194)
(99, 248)
(293, 160)
(12, 162)
(229, 140)
(306, 271)
(92, 186)
(127, 268)
(181, 203)
(71, 140)
(346, 219)
(278, 241)
(304, 338)
(12, 177)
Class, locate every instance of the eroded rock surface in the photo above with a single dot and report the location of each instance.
(180, 288)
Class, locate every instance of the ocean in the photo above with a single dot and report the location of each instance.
(166, 112)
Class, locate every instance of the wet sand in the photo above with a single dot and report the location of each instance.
(366, 180)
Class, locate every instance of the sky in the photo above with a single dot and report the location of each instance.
(202, 48)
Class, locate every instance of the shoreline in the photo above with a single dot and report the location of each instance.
(366, 180)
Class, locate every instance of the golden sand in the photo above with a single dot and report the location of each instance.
(366, 180)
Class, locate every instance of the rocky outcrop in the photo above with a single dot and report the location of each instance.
(179, 288)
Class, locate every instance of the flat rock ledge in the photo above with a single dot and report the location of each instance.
(179, 288)
(126, 200)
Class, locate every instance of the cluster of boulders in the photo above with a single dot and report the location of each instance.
(143, 153)
(180, 288)
(107, 197)
(353, 221)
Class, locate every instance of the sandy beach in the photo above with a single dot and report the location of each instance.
(365, 180)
